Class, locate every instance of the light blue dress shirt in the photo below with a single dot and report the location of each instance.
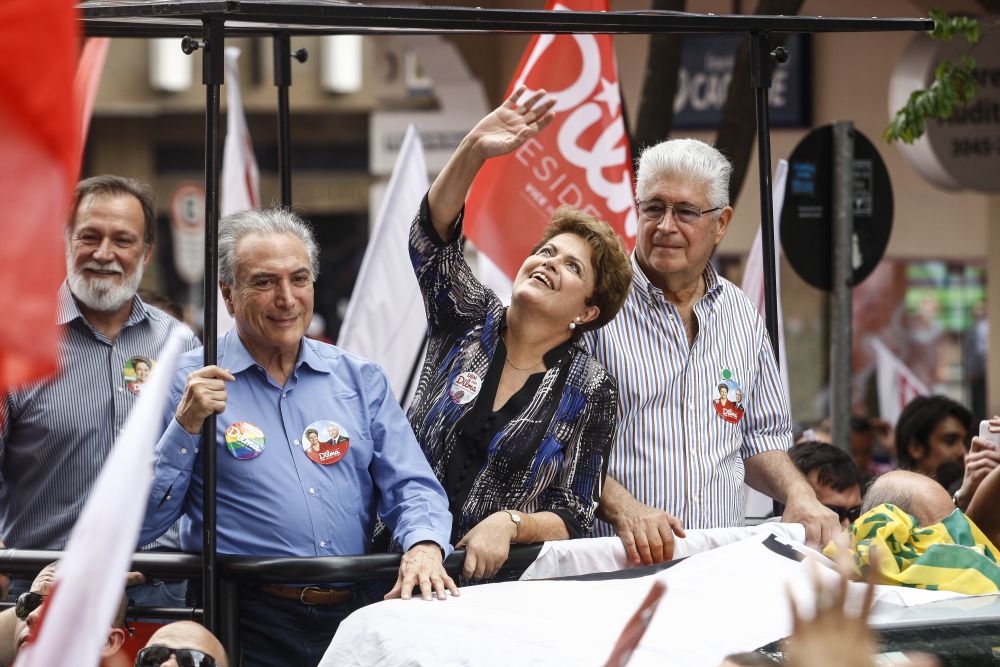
(281, 502)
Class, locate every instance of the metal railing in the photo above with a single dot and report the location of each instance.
(237, 571)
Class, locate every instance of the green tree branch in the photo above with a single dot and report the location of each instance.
(954, 84)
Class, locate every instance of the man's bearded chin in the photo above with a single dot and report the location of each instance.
(103, 294)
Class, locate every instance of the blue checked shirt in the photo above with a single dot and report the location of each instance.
(678, 447)
(281, 502)
(56, 433)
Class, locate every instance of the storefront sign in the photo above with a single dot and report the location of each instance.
(962, 152)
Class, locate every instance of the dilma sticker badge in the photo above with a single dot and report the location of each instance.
(245, 440)
(136, 372)
(728, 403)
(465, 388)
(325, 442)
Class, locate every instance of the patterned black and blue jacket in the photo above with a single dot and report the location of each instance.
(551, 455)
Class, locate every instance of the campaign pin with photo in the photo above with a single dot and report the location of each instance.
(244, 440)
(465, 388)
(325, 441)
(136, 372)
(728, 403)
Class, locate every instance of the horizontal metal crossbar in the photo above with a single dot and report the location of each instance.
(136, 18)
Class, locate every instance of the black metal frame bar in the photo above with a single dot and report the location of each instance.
(256, 569)
(221, 18)
(102, 17)
(760, 80)
(282, 80)
(213, 76)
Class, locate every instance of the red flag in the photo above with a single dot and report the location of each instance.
(40, 135)
(582, 160)
(88, 80)
(636, 627)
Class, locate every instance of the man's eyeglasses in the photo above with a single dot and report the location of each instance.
(154, 656)
(27, 603)
(653, 210)
(850, 514)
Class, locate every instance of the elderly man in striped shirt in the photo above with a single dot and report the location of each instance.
(56, 433)
(684, 345)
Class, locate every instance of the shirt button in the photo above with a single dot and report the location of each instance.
(168, 497)
(119, 388)
(312, 491)
(322, 543)
(696, 498)
(295, 442)
(284, 395)
(184, 450)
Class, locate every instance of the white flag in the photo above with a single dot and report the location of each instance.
(896, 383)
(385, 319)
(753, 272)
(90, 580)
(240, 183)
(758, 504)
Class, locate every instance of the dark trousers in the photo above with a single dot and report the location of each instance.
(275, 632)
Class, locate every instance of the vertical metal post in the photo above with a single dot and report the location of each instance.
(841, 304)
(283, 79)
(213, 74)
(229, 608)
(760, 80)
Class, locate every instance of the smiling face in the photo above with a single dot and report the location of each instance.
(272, 301)
(557, 280)
(105, 251)
(672, 252)
(141, 371)
(313, 439)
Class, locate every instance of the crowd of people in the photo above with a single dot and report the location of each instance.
(615, 395)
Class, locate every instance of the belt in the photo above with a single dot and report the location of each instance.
(311, 595)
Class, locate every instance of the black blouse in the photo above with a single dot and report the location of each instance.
(480, 425)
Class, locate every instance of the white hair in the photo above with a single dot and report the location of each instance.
(687, 159)
(264, 221)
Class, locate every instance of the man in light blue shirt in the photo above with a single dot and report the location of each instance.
(280, 492)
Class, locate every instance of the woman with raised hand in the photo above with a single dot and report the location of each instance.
(514, 415)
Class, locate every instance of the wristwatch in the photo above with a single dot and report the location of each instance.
(516, 518)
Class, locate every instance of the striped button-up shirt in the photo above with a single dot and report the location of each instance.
(57, 433)
(680, 444)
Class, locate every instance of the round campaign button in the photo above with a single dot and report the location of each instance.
(728, 404)
(465, 388)
(136, 372)
(244, 440)
(325, 441)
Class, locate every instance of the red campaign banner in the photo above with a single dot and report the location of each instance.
(581, 160)
(40, 136)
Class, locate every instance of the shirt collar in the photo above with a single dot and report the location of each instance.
(642, 285)
(238, 358)
(68, 309)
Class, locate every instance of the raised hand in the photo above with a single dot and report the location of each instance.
(512, 123)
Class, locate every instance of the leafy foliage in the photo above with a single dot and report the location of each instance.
(954, 84)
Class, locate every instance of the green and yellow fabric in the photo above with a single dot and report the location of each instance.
(953, 555)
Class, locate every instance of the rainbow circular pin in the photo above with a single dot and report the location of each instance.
(244, 440)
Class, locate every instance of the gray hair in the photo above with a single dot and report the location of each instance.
(888, 490)
(687, 159)
(266, 222)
